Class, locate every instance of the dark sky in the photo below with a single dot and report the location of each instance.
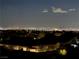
(39, 13)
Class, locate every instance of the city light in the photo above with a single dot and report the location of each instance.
(24, 49)
(16, 48)
(34, 50)
(63, 51)
(74, 45)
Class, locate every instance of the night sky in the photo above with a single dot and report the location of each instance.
(39, 13)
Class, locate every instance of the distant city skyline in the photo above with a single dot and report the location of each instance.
(39, 13)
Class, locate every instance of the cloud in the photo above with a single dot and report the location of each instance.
(45, 11)
(73, 9)
(58, 10)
